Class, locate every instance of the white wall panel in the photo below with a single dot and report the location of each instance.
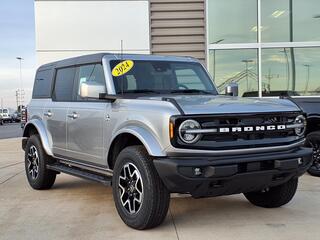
(72, 28)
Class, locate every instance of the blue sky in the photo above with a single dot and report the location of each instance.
(17, 38)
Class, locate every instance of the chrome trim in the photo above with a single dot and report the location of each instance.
(215, 130)
(296, 125)
(171, 151)
(200, 131)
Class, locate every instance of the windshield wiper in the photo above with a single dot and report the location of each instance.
(142, 91)
(191, 91)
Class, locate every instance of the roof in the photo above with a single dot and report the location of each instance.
(97, 57)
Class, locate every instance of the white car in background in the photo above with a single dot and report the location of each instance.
(6, 117)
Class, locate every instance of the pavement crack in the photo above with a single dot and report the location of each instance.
(11, 177)
(174, 224)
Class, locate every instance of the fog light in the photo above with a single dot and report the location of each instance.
(197, 171)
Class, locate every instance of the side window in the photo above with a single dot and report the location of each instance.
(188, 78)
(63, 88)
(92, 73)
(43, 84)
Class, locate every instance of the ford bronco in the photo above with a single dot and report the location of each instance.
(154, 125)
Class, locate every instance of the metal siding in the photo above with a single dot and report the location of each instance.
(178, 28)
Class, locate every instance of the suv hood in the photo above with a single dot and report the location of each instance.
(210, 104)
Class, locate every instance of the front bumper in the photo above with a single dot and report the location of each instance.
(225, 175)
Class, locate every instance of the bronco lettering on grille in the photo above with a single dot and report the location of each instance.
(252, 128)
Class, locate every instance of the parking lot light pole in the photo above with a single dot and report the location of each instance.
(21, 91)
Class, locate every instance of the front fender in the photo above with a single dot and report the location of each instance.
(148, 140)
(38, 125)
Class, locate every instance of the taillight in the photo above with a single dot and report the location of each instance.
(24, 115)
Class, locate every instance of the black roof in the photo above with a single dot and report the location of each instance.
(90, 58)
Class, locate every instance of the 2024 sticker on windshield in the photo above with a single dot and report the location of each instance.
(122, 68)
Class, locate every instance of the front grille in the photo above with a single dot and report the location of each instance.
(237, 137)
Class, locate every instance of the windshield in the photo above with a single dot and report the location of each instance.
(163, 77)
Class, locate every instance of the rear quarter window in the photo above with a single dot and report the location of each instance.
(43, 84)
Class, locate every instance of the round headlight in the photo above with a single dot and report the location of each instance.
(301, 123)
(185, 131)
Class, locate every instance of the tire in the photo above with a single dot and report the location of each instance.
(148, 188)
(275, 196)
(36, 160)
(313, 141)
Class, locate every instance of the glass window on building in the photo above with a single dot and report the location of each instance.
(238, 66)
(275, 15)
(306, 20)
(279, 25)
(293, 71)
(232, 21)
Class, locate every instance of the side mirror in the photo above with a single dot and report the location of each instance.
(92, 90)
(232, 89)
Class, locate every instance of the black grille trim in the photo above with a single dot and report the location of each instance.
(239, 140)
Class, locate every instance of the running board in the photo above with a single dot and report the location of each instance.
(77, 172)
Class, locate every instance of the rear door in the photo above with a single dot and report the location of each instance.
(86, 119)
(55, 111)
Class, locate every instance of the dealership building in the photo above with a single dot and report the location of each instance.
(268, 47)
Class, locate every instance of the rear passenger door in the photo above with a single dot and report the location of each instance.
(55, 111)
(86, 119)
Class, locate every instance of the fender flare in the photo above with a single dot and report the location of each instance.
(38, 125)
(148, 140)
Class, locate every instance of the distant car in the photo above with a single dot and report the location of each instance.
(16, 117)
(6, 117)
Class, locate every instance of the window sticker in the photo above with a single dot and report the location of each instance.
(122, 68)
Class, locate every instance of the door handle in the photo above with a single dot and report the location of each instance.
(48, 113)
(73, 115)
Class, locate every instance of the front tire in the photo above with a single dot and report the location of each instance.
(313, 141)
(36, 160)
(275, 196)
(141, 199)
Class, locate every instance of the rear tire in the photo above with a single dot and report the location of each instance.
(36, 160)
(275, 196)
(136, 180)
(313, 141)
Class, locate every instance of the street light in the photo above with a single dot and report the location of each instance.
(247, 61)
(308, 77)
(21, 88)
(288, 68)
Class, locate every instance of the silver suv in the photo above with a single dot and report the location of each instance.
(155, 125)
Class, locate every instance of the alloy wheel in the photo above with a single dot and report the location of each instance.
(130, 188)
(33, 162)
(316, 155)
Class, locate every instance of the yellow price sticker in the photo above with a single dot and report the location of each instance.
(122, 68)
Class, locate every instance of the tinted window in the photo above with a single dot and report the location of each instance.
(163, 77)
(42, 84)
(90, 74)
(64, 84)
(187, 78)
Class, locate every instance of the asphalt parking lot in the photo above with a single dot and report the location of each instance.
(10, 130)
(79, 209)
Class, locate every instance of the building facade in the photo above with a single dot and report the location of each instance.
(268, 47)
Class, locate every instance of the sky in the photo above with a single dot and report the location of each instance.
(17, 39)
